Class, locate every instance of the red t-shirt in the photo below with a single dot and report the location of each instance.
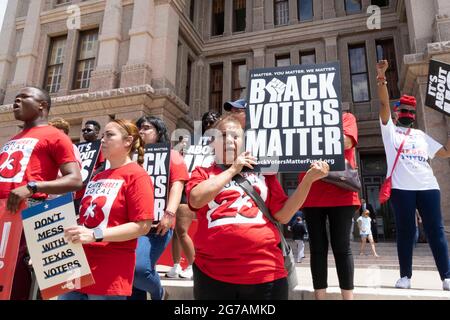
(112, 198)
(34, 154)
(235, 242)
(178, 170)
(324, 194)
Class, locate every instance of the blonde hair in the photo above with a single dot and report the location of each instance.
(60, 123)
(130, 129)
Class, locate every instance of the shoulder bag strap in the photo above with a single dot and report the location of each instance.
(400, 151)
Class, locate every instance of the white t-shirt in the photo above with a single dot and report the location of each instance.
(365, 226)
(413, 172)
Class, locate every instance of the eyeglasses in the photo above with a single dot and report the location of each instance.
(407, 111)
(86, 130)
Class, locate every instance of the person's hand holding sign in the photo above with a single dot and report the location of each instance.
(245, 159)
(16, 196)
(79, 234)
(317, 171)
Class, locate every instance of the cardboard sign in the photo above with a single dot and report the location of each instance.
(438, 88)
(156, 163)
(89, 152)
(60, 266)
(293, 117)
(10, 233)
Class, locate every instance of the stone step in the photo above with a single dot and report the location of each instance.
(370, 284)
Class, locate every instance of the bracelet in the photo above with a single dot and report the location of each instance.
(381, 78)
(170, 213)
(382, 83)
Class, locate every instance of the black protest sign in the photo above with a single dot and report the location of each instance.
(200, 155)
(438, 89)
(293, 117)
(156, 163)
(89, 152)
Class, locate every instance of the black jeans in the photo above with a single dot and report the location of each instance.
(340, 222)
(207, 288)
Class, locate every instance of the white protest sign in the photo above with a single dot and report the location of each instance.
(60, 266)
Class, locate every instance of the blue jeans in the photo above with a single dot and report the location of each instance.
(75, 295)
(146, 279)
(428, 202)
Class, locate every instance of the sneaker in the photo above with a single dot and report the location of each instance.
(446, 284)
(403, 283)
(174, 272)
(187, 273)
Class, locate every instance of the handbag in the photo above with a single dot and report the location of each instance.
(385, 189)
(347, 179)
(288, 254)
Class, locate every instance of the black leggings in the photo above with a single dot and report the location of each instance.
(207, 288)
(340, 221)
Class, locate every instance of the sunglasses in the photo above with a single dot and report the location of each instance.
(407, 111)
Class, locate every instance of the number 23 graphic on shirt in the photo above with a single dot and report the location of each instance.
(233, 206)
(97, 202)
(14, 158)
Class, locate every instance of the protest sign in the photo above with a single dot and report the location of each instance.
(293, 117)
(60, 266)
(10, 233)
(89, 152)
(438, 89)
(156, 163)
(200, 155)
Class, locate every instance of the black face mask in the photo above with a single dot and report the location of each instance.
(405, 122)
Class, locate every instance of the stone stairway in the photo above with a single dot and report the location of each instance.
(374, 277)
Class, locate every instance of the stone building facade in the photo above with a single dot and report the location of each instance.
(104, 59)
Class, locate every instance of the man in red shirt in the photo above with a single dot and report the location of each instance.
(29, 165)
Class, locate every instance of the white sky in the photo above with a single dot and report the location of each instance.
(3, 4)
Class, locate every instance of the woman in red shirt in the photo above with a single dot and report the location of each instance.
(338, 205)
(152, 245)
(116, 209)
(237, 248)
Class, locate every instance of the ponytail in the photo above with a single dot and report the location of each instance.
(130, 129)
(139, 147)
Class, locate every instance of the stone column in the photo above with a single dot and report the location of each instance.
(442, 23)
(8, 38)
(331, 48)
(329, 10)
(27, 55)
(70, 56)
(164, 49)
(293, 12)
(227, 79)
(105, 75)
(258, 15)
(420, 16)
(364, 5)
(318, 10)
(339, 7)
(248, 15)
(259, 55)
(228, 18)
(268, 14)
(137, 71)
